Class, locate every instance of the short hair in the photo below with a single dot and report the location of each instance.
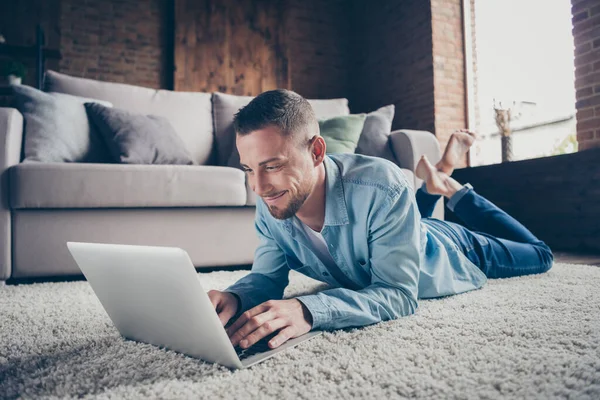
(282, 108)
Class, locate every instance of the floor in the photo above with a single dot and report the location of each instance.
(577, 258)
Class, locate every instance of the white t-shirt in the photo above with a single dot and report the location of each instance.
(318, 244)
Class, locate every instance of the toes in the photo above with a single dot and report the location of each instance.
(423, 161)
(428, 164)
(474, 134)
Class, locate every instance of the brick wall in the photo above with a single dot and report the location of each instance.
(410, 53)
(117, 40)
(449, 69)
(586, 32)
(476, 119)
(393, 61)
(18, 20)
(396, 52)
(319, 44)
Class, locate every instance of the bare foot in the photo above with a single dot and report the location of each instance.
(457, 147)
(436, 182)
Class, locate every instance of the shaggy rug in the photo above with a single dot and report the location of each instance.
(529, 337)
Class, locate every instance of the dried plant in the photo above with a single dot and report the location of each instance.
(504, 116)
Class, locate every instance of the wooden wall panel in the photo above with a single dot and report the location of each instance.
(236, 47)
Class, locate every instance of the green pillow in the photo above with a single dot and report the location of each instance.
(341, 134)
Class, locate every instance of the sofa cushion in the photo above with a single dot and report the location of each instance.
(375, 137)
(188, 112)
(77, 185)
(57, 127)
(134, 138)
(225, 106)
(251, 196)
(341, 134)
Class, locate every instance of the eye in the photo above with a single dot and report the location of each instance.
(272, 168)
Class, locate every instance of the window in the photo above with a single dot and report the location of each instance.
(525, 63)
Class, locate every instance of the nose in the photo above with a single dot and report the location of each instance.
(259, 184)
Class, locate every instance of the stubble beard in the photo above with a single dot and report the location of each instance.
(292, 208)
(294, 205)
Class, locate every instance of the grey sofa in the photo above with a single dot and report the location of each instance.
(207, 209)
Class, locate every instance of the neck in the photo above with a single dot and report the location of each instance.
(312, 212)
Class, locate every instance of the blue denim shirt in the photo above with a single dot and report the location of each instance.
(386, 256)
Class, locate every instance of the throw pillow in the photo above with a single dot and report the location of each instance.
(341, 134)
(138, 139)
(57, 128)
(375, 137)
(188, 112)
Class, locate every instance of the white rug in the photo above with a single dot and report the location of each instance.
(529, 337)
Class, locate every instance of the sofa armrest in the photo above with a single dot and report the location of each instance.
(11, 139)
(409, 146)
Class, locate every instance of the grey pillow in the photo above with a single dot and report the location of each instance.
(138, 139)
(374, 139)
(57, 127)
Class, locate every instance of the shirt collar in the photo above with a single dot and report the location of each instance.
(336, 212)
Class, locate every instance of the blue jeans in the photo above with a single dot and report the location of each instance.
(493, 240)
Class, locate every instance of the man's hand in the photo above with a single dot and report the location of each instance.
(226, 304)
(291, 316)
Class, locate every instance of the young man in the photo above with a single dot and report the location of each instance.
(353, 221)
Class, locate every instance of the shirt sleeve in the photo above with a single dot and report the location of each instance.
(269, 275)
(395, 256)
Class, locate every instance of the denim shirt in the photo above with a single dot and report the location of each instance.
(386, 256)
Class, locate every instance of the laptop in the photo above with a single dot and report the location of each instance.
(153, 295)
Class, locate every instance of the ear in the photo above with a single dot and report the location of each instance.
(318, 150)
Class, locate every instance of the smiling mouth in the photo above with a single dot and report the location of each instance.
(275, 197)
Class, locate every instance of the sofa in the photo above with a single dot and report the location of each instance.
(206, 209)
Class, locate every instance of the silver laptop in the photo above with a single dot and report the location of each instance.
(153, 295)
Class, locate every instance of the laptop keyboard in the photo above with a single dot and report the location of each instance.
(259, 347)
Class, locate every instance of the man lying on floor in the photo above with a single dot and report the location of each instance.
(354, 222)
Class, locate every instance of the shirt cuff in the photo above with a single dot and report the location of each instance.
(457, 196)
(243, 301)
(317, 309)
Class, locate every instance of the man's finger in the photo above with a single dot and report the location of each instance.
(264, 330)
(282, 337)
(241, 321)
(250, 326)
